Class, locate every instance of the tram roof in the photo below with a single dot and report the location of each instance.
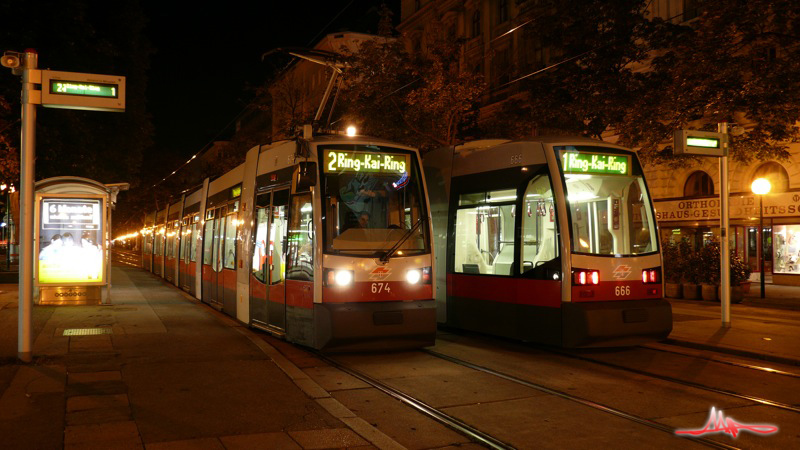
(486, 144)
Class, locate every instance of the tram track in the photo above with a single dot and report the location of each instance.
(436, 414)
(594, 405)
(482, 437)
(751, 398)
(662, 347)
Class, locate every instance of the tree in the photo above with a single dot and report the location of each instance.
(738, 62)
(77, 36)
(614, 71)
(423, 100)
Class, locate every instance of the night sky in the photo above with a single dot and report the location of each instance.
(207, 56)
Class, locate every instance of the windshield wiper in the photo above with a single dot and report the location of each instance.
(389, 253)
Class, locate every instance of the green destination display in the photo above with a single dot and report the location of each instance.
(702, 142)
(84, 88)
(580, 162)
(350, 161)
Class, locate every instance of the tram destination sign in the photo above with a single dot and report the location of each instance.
(601, 163)
(86, 91)
(338, 161)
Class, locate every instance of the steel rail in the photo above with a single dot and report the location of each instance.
(451, 422)
(580, 400)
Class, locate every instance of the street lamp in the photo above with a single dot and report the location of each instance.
(761, 187)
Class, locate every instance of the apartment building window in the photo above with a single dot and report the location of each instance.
(501, 67)
(476, 23)
(417, 5)
(698, 184)
(690, 10)
(502, 11)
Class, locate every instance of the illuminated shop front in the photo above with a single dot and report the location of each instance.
(697, 220)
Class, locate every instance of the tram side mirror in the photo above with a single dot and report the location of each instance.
(305, 176)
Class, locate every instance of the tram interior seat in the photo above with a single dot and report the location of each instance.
(474, 258)
(504, 262)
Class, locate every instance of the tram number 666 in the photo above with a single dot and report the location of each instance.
(622, 291)
(377, 288)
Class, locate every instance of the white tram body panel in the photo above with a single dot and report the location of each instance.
(546, 239)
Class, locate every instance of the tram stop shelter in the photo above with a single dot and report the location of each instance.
(73, 225)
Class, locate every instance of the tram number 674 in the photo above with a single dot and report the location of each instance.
(377, 288)
(622, 291)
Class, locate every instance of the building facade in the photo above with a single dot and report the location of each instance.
(687, 200)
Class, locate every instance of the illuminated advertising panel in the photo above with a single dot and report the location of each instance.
(70, 241)
(338, 161)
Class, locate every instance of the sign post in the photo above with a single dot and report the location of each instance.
(709, 143)
(67, 90)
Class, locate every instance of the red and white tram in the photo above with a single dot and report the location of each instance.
(325, 241)
(551, 240)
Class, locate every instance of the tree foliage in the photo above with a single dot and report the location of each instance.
(422, 99)
(81, 36)
(738, 62)
(613, 70)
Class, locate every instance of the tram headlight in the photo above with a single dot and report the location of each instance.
(413, 276)
(343, 277)
(339, 278)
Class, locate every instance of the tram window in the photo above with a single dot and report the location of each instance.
(159, 242)
(277, 233)
(216, 250)
(148, 244)
(193, 244)
(260, 249)
(610, 214)
(539, 225)
(184, 239)
(300, 255)
(230, 241)
(484, 233)
(208, 240)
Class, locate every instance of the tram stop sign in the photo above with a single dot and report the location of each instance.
(86, 91)
(700, 143)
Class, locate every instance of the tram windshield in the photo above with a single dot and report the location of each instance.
(372, 198)
(609, 207)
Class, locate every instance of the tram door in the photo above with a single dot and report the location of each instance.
(267, 284)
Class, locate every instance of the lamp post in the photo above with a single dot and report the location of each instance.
(761, 187)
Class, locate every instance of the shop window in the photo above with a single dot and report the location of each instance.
(485, 233)
(698, 184)
(776, 174)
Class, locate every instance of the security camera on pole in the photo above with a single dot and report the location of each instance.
(68, 90)
(708, 143)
